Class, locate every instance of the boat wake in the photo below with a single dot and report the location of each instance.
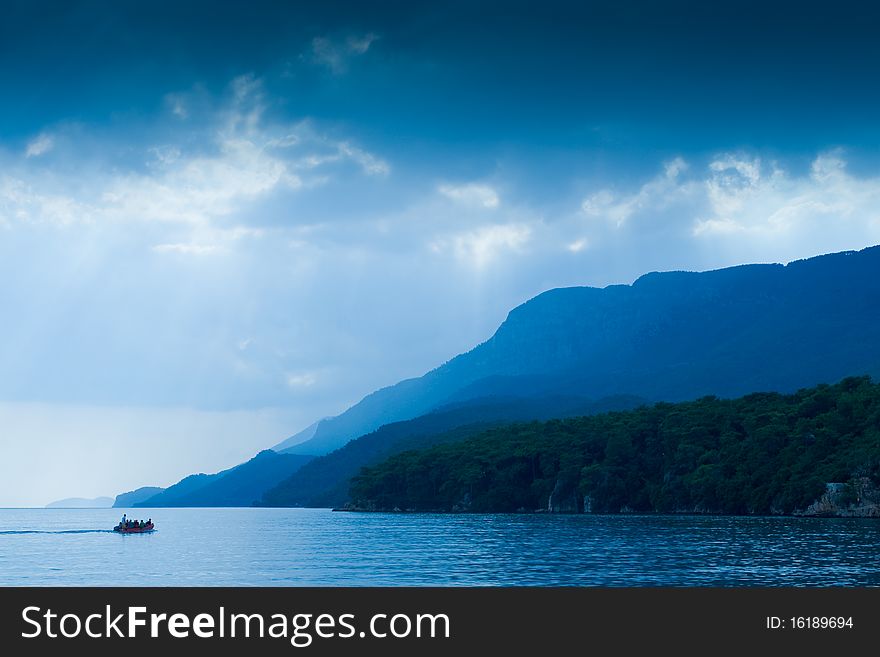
(60, 531)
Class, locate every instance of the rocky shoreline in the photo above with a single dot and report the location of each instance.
(866, 512)
(858, 498)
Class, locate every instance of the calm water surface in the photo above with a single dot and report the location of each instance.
(299, 547)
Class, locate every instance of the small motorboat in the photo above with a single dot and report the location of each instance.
(146, 529)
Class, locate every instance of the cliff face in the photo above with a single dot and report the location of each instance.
(565, 497)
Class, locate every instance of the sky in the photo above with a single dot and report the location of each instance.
(220, 222)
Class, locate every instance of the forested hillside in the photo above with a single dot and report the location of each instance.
(760, 454)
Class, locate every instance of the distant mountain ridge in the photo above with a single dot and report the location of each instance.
(323, 482)
(671, 336)
(667, 337)
(298, 438)
(82, 503)
(129, 499)
(239, 486)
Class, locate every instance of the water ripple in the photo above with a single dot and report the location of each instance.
(298, 547)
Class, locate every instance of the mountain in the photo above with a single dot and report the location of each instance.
(324, 482)
(296, 439)
(129, 499)
(669, 336)
(239, 486)
(82, 503)
(815, 452)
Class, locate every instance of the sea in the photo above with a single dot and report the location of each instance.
(319, 547)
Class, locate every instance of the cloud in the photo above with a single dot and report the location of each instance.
(674, 167)
(198, 188)
(744, 206)
(657, 194)
(234, 159)
(577, 246)
(472, 195)
(829, 167)
(761, 202)
(238, 224)
(297, 380)
(22, 201)
(335, 55)
(39, 145)
(178, 106)
(337, 152)
(185, 249)
(479, 248)
(370, 164)
(165, 155)
(360, 45)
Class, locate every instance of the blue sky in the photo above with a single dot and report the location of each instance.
(220, 223)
